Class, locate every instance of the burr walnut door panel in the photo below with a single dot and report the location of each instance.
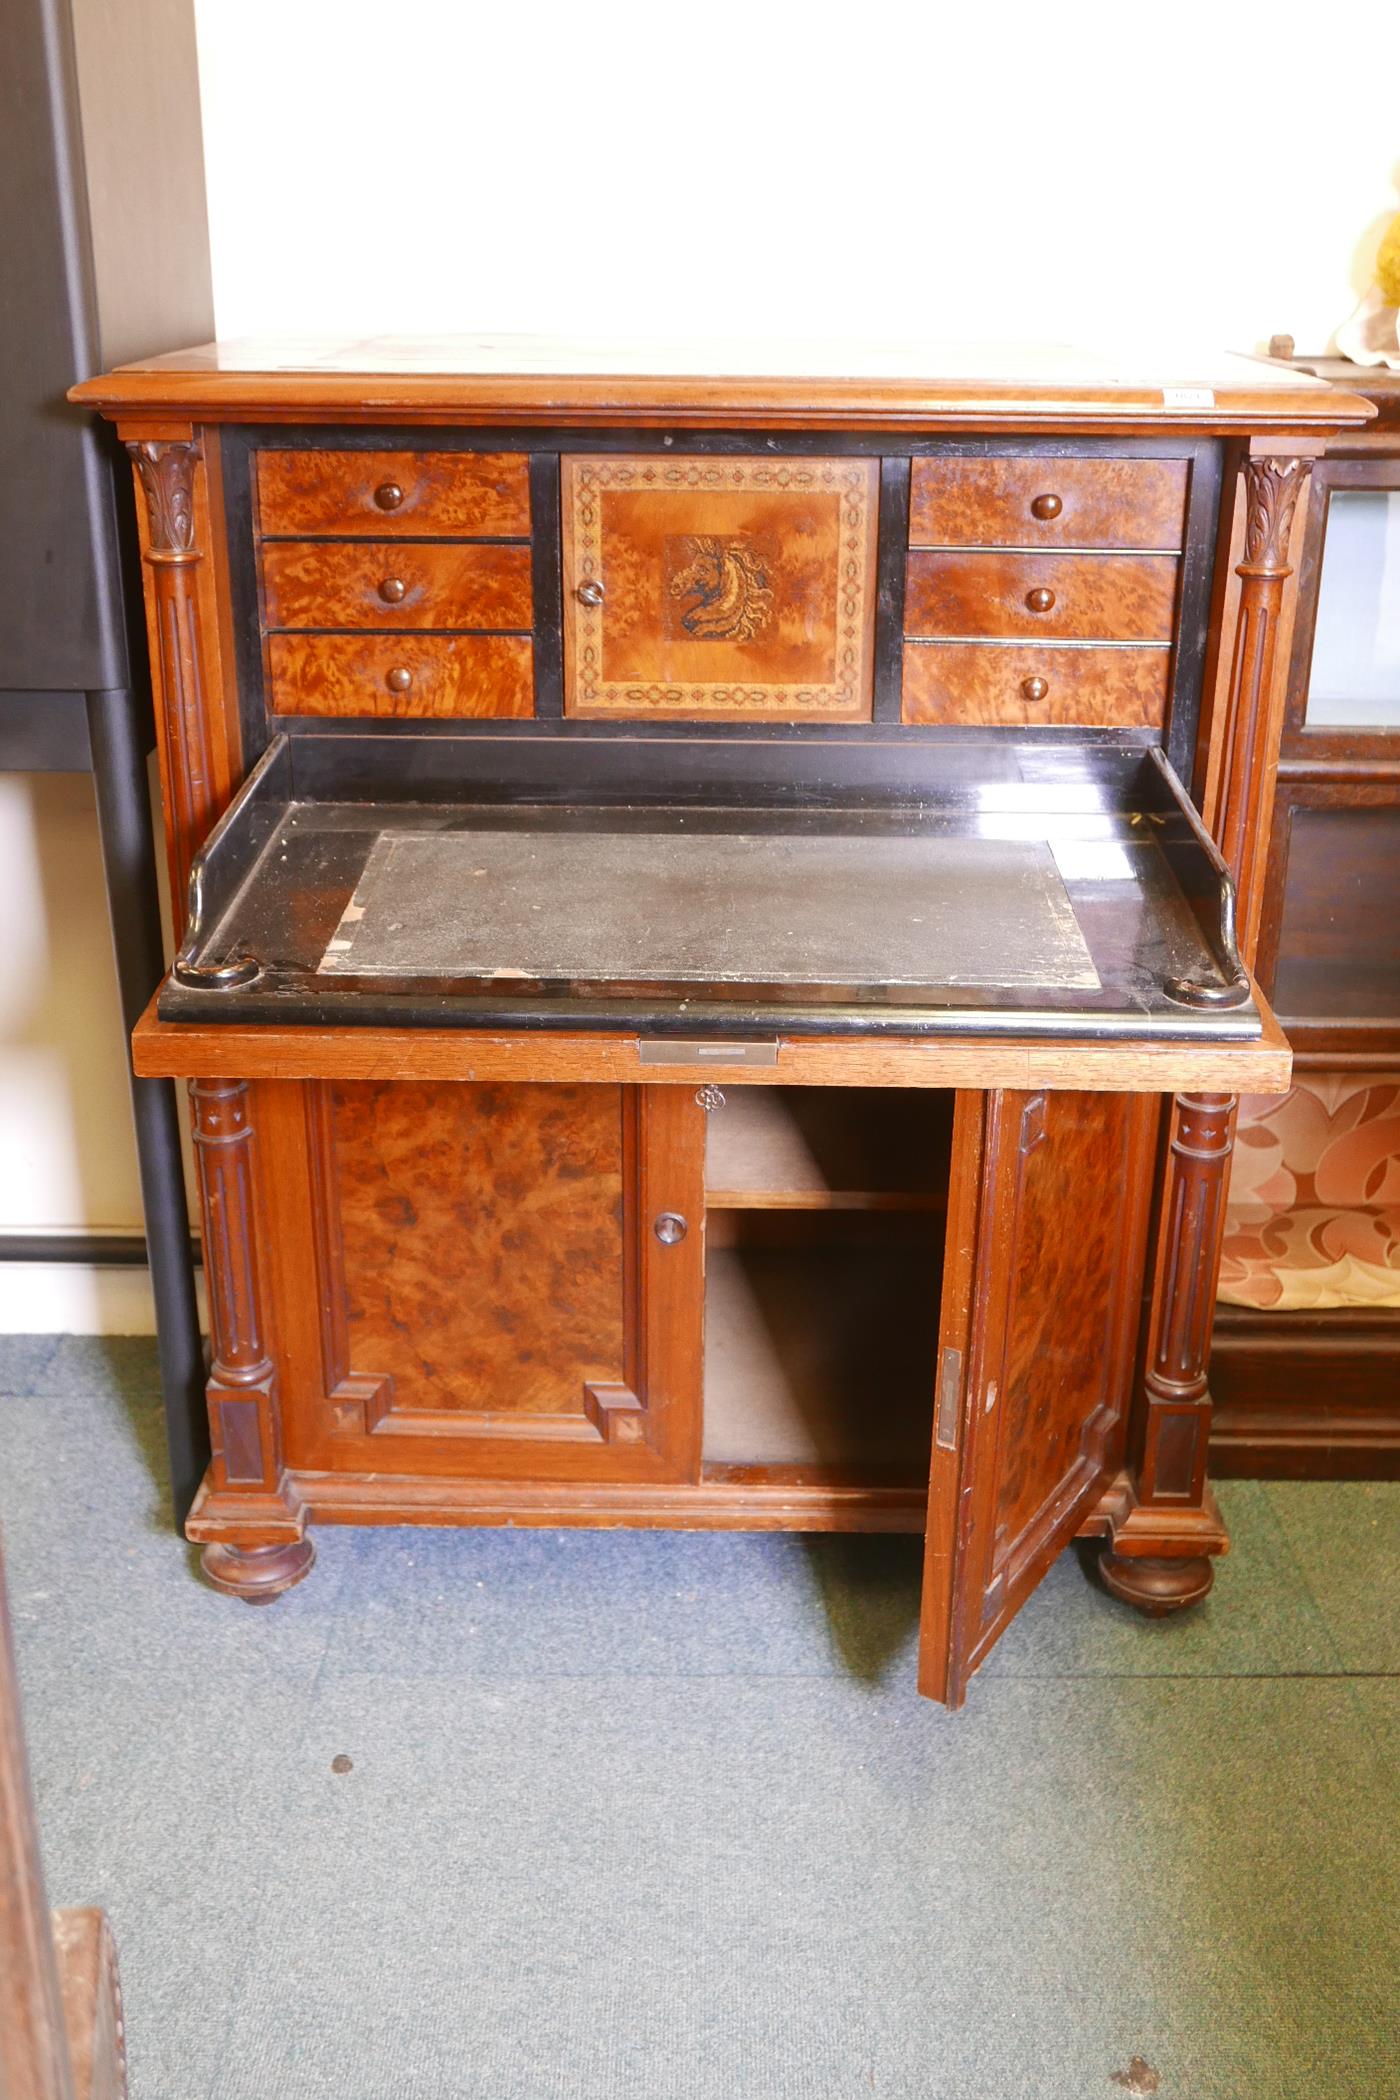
(719, 589)
(1042, 1289)
(509, 1281)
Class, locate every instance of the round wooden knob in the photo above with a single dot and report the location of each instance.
(393, 590)
(670, 1227)
(1046, 507)
(388, 495)
(399, 679)
(590, 591)
(1040, 600)
(1035, 688)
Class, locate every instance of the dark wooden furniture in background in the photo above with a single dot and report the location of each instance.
(61, 2035)
(104, 254)
(563, 1226)
(1316, 1393)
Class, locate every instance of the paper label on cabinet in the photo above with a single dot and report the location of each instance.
(1188, 397)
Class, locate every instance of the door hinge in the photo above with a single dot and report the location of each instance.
(945, 1428)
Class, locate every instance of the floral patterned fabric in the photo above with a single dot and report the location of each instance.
(1314, 1209)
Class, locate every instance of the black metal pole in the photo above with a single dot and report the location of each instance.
(119, 748)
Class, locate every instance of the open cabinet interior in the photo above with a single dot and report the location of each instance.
(826, 1210)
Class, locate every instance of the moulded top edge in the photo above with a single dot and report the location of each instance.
(520, 377)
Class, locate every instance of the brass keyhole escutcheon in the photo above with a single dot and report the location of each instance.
(388, 495)
(393, 590)
(1046, 507)
(590, 591)
(670, 1227)
(1040, 599)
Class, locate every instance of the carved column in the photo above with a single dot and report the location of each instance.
(1272, 489)
(166, 472)
(1159, 1557)
(243, 1413)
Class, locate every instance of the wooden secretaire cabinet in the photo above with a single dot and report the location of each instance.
(715, 971)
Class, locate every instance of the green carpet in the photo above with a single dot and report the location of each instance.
(657, 1816)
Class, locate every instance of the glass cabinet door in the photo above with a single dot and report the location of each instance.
(1354, 683)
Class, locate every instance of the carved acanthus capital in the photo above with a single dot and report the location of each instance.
(1272, 488)
(167, 476)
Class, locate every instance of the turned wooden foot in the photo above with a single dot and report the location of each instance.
(1156, 1586)
(257, 1574)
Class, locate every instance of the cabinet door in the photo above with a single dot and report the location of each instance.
(505, 1281)
(1042, 1293)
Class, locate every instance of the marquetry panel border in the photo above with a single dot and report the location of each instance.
(588, 691)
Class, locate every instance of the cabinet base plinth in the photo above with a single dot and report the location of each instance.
(257, 1574)
(1157, 1586)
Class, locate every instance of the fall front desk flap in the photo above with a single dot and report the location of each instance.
(963, 883)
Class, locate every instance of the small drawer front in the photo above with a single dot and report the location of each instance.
(1006, 683)
(474, 494)
(394, 585)
(386, 674)
(1066, 597)
(1036, 500)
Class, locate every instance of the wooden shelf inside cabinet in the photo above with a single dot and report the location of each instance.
(837, 1148)
(821, 1354)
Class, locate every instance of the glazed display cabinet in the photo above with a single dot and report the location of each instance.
(717, 960)
(1309, 1331)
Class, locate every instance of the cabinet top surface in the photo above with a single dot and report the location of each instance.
(521, 377)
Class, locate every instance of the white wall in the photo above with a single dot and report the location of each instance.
(1210, 174)
(1057, 171)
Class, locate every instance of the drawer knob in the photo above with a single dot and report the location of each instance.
(388, 495)
(1035, 688)
(393, 590)
(670, 1227)
(1040, 599)
(1046, 507)
(399, 679)
(590, 591)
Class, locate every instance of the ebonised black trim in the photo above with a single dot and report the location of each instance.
(547, 580)
(816, 444)
(1193, 606)
(236, 453)
(891, 562)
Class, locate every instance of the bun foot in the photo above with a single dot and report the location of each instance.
(1157, 1586)
(257, 1574)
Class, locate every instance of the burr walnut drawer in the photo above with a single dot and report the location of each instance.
(1073, 597)
(411, 674)
(460, 494)
(395, 584)
(989, 682)
(1036, 500)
